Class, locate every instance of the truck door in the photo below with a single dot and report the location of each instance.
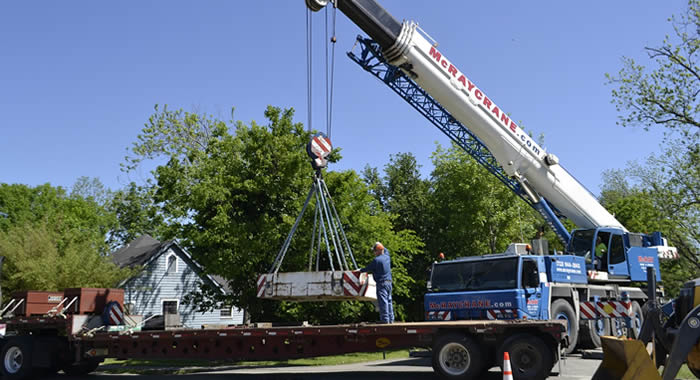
(530, 283)
(617, 265)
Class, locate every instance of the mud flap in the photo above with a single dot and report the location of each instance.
(626, 360)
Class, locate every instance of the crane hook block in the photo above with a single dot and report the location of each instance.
(318, 149)
(316, 5)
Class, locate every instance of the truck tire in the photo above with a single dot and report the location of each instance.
(590, 332)
(16, 357)
(530, 358)
(637, 319)
(82, 368)
(618, 326)
(561, 309)
(456, 356)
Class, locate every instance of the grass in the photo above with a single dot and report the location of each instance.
(685, 373)
(172, 366)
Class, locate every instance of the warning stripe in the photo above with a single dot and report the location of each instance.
(500, 313)
(605, 309)
(116, 315)
(321, 143)
(261, 284)
(587, 310)
(439, 315)
(353, 284)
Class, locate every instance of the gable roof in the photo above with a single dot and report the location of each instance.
(137, 252)
(145, 249)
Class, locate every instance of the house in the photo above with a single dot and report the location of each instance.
(167, 274)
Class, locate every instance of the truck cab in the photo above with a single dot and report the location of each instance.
(612, 254)
(499, 286)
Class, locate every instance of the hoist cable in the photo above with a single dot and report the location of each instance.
(309, 70)
(328, 125)
(333, 40)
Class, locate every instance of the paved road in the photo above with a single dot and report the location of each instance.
(575, 368)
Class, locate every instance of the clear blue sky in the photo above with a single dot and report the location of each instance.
(78, 79)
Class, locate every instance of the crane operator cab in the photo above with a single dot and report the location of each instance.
(612, 253)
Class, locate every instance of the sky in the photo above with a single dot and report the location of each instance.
(78, 79)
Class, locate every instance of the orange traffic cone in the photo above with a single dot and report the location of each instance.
(507, 372)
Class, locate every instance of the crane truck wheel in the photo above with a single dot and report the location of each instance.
(637, 318)
(530, 358)
(456, 356)
(82, 368)
(16, 357)
(591, 331)
(562, 310)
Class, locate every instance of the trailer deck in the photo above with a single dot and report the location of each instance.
(56, 342)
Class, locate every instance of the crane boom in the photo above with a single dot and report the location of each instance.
(537, 171)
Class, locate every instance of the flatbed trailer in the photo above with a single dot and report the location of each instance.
(35, 346)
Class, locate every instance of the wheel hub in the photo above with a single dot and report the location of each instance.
(13, 360)
(455, 358)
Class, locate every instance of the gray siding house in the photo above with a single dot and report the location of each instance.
(167, 274)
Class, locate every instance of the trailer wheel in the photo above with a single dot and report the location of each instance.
(456, 356)
(530, 358)
(562, 310)
(591, 331)
(17, 358)
(82, 368)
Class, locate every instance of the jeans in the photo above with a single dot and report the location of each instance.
(386, 307)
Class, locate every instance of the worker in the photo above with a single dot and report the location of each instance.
(600, 250)
(380, 268)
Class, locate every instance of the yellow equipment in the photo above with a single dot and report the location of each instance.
(674, 330)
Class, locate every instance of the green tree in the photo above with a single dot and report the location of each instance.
(636, 208)
(136, 214)
(53, 206)
(665, 95)
(232, 193)
(37, 257)
(472, 212)
(52, 239)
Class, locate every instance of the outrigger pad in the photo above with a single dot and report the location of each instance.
(317, 286)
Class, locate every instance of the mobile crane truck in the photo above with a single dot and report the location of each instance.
(74, 330)
(587, 287)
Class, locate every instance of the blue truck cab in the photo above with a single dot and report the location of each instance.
(499, 286)
(622, 255)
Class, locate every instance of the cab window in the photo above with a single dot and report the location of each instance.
(530, 277)
(617, 250)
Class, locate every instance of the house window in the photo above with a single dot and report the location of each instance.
(170, 306)
(171, 264)
(226, 313)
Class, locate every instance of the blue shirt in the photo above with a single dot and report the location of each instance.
(380, 267)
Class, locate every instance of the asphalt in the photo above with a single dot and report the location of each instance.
(575, 367)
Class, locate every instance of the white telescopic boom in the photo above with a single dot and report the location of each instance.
(538, 172)
(517, 153)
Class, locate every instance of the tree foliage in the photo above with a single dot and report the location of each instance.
(39, 258)
(231, 193)
(52, 239)
(473, 213)
(136, 214)
(665, 95)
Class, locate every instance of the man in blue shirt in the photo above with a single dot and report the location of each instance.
(380, 268)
